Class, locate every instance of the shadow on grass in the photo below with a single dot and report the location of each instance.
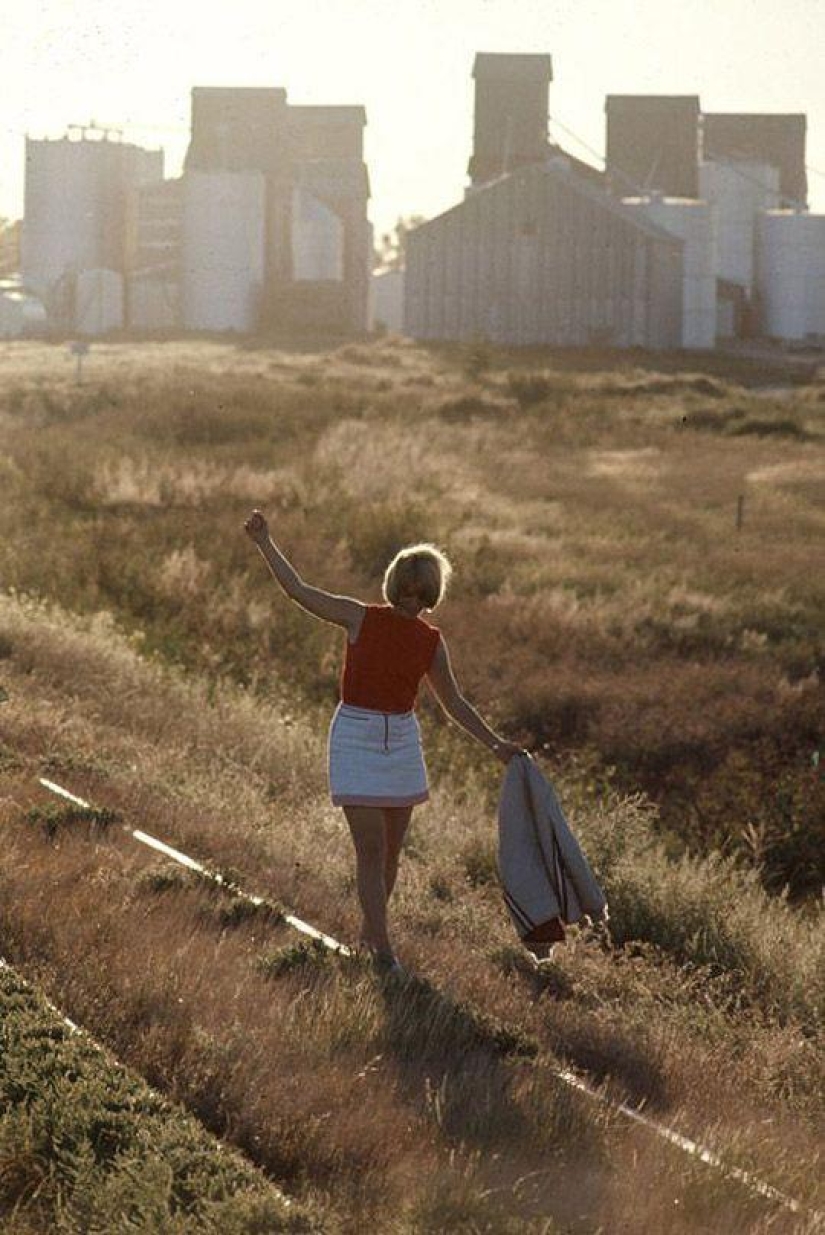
(457, 1060)
(599, 1051)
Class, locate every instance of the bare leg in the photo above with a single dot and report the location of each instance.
(366, 823)
(396, 822)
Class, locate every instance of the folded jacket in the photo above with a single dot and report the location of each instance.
(546, 879)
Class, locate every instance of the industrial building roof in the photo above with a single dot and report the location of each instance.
(579, 165)
(248, 91)
(327, 112)
(494, 64)
(771, 137)
(654, 100)
(559, 167)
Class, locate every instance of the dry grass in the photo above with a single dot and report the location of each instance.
(605, 609)
(225, 777)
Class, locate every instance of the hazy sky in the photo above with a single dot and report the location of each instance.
(133, 65)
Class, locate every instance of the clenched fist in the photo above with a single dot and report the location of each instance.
(256, 528)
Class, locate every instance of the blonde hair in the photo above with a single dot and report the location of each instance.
(422, 568)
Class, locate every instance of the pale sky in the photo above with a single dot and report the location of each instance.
(132, 65)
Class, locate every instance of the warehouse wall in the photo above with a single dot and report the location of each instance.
(538, 258)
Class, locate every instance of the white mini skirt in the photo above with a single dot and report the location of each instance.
(375, 758)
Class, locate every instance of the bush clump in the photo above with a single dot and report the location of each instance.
(85, 1145)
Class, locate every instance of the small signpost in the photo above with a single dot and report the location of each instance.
(79, 349)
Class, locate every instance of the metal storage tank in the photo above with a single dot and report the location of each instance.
(75, 206)
(738, 190)
(98, 301)
(791, 274)
(693, 222)
(62, 229)
(153, 302)
(223, 249)
(317, 240)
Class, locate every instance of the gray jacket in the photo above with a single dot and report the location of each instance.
(544, 874)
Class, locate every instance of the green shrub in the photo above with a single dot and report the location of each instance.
(85, 1145)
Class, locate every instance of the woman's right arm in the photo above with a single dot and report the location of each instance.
(340, 610)
(442, 683)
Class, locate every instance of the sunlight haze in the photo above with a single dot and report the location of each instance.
(133, 66)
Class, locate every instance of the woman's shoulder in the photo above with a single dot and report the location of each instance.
(432, 633)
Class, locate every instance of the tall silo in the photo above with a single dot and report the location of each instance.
(693, 222)
(223, 263)
(246, 129)
(63, 224)
(76, 193)
(738, 191)
(99, 302)
(791, 274)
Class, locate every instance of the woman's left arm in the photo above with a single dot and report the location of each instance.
(341, 610)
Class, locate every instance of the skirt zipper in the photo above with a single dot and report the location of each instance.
(386, 734)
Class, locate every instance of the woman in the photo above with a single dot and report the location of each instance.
(376, 766)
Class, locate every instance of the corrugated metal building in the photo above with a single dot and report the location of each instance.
(657, 251)
(543, 256)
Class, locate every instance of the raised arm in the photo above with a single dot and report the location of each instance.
(340, 610)
(442, 683)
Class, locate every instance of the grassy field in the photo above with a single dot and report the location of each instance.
(605, 604)
(664, 664)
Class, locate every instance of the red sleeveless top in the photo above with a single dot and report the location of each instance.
(385, 665)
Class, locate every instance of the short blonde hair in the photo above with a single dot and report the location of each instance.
(422, 568)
